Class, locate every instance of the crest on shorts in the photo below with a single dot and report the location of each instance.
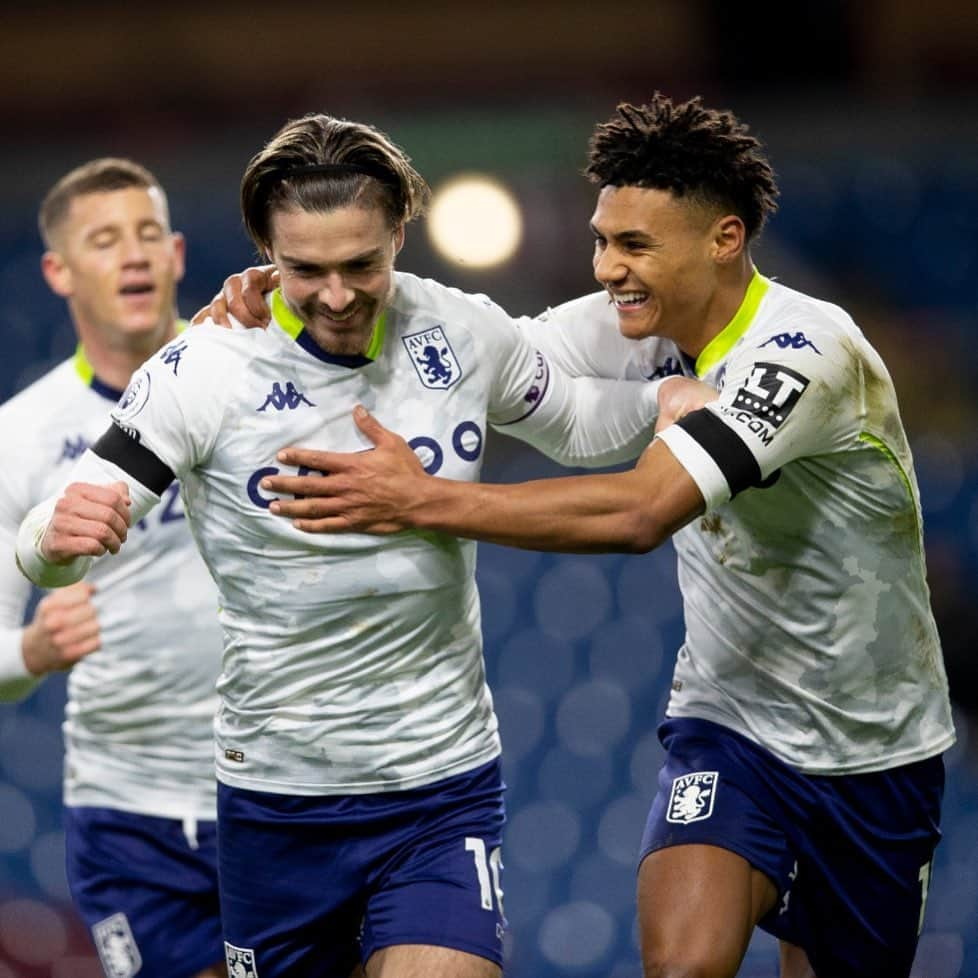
(692, 796)
(116, 947)
(240, 961)
(433, 358)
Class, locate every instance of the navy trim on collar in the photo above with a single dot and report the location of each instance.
(341, 360)
(103, 390)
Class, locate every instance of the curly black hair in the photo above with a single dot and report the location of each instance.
(704, 154)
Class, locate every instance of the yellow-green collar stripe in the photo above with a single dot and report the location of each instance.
(83, 366)
(293, 325)
(723, 342)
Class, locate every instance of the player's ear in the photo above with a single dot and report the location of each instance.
(57, 274)
(398, 239)
(729, 239)
(179, 255)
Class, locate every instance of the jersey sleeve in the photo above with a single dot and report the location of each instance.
(776, 405)
(164, 424)
(174, 404)
(579, 421)
(15, 681)
(581, 337)
(96, 470)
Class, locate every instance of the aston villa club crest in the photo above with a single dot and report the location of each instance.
(692, 796)
(433, 358)
(240, 961)
(116, 947)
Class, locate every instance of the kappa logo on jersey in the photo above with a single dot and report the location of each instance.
(116, 947)
(171, 354)
(770, 393)
(794, 341)
(134, 397)
(692, 797)
(433, 358)
(668, 368)
(73, 448)
(289, 399)
(240, 961)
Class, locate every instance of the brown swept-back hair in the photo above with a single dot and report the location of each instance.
(95, 177)
(369, 170)
(706, 155)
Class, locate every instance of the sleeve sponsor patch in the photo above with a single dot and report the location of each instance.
(770, 393)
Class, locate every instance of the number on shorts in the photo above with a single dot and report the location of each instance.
(924, 877)
(483, 869)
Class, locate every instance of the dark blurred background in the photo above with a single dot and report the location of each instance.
(870, 113)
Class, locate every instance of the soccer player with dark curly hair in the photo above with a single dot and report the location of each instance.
(809, 711)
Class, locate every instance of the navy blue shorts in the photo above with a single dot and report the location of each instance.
(849, 854)
(147, 889)
(310, 886)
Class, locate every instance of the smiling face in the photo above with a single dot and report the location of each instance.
(668, 264)
(115, 260)
(337, 271)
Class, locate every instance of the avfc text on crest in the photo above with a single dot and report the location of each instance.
(433, 358)
(692, 797)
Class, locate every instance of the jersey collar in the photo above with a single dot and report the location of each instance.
(85, 370)
(295, 328)
(723, 342)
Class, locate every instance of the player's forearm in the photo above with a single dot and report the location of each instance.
(64, 555)
(16, 682)
(34, 565)
(589, 514)
(15, 679)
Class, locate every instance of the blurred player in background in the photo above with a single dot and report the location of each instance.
(360, 804)
(139, 785)
(803, 781)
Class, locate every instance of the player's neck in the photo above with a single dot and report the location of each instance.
(725, 303)
(115, 358)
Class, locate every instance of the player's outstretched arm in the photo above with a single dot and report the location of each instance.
(386, 490)
(242, 296)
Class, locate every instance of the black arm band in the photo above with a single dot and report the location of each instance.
(120, 448)
(724, 446)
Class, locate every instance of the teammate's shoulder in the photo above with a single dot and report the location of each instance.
(210, 333)
(204, 347)
(596, 305)
(788, 319)
(46, 396)
(414, 295)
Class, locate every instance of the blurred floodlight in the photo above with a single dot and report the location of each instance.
(475, 221)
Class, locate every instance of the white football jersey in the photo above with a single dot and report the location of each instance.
(139, 718)
(582, 338)
(354, 663)
(808, 617)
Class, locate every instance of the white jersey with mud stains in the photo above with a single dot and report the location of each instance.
(353, 662)
(140, 713)
(809, 628)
